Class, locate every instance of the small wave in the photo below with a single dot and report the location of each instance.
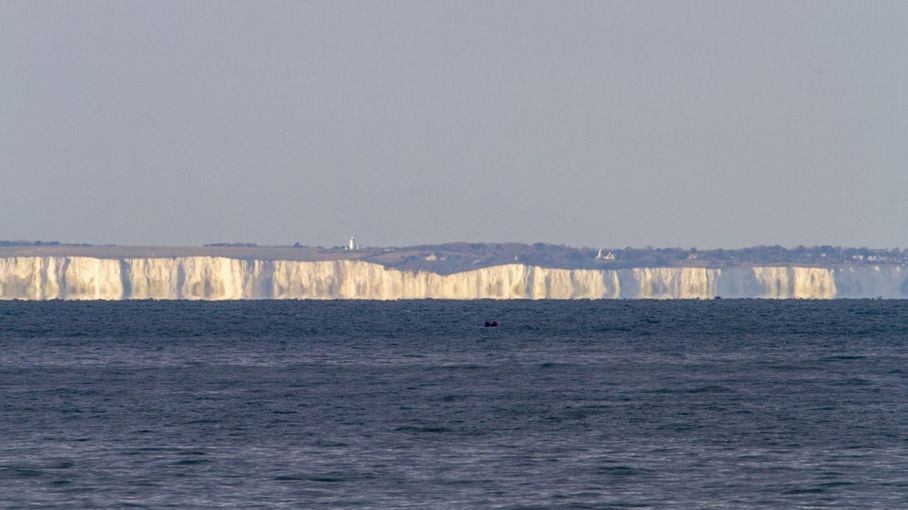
(619, 470)
(23, 472)
(326, 479)
(424, 429)
(838, 483)
(855, 381)
(201, 421)
(191, 462)
(288, 478)
(712, 388)
(192, 452)
(331, 444)
(466, 366)
(805, 490)
(843, 357)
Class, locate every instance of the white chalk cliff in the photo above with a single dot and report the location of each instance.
(213, 278)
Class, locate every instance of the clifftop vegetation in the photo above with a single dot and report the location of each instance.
(454, 257)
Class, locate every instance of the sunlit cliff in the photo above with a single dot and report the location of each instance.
(216, 278)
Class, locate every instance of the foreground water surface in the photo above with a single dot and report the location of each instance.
(581, 404)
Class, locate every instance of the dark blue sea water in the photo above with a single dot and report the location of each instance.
(611, 404)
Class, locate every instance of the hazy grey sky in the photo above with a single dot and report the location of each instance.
(707, 124)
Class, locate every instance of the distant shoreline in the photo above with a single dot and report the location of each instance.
(449, 271)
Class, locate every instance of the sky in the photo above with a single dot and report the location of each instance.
(602, 124)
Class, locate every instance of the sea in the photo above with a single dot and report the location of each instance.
(416, 404)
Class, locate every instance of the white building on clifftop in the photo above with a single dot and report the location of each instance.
(608, 257)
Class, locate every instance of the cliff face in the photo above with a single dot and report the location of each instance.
(39, 277)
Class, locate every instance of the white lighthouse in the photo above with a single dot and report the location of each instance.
(351, 244)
